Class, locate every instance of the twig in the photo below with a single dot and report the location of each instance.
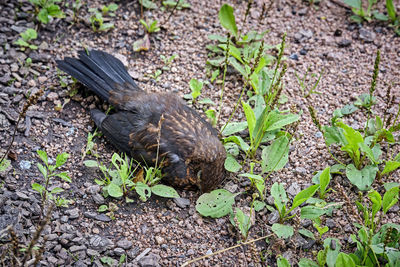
(224, 250)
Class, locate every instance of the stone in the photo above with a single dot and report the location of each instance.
(182, 202)
(366, 35)
(124, 243)
(150, 260)
(52, 96)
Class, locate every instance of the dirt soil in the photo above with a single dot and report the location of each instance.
(162, 232)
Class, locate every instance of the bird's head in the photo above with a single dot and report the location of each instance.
(211, 174)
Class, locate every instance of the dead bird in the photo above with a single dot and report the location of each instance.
(149, 124)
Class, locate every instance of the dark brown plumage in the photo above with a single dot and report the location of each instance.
(189, 148)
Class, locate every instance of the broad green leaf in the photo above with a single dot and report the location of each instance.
(112, 7)
(61, 159)
(363, 178)
(307, 263)
(391, 10)
(232, 148)
(334, 135)
(64, 176)
(368, 151)
(344, 260)
(56, 190)
(279, 194)
(244, 222)
(231, 164)
(55, 11)
(234, 127)
(376, 200)
(250, 117)
(239, 141)
(303, 195)
(114, 190)
(42, 169)
(380, 16)
(43, 16)
(282, 262)
(38, 187)
(390, 198)
(311, 212)
(102, 208)
(4, 165)
(219, 38)
(390, 166)
(43, 156)
(307, 233)
(196, 87)
(215, 204)
(353, 3)
(90, 163)
(227, 19)
(143, 190)
(324, 180)
(164, 191)
(276, 120)
(275, 156)
(148, 4)
(282, 231)
(258, 205)
(332, 254)
(239, 67)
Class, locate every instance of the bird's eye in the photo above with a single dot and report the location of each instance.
(199, 174)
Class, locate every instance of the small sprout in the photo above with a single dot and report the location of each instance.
(26, 38)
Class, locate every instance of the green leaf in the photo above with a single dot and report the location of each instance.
(43, 156)
(307, 263)
(307, 233)
(90, 163)
(239, 67)
(102, 208)
(55, 11)
(390, 198)
(112, 7)
(303, 195)
(279, 194)
(42, 169)
(282, 262)
(234, 127)
(258, 205)
(390, 166)
(368, 151)
(227, 19)
(164, 191)
(143, 190)
(344, 260)
(391, 10)
(332, 254)
(4, 165)
(56, 190)
(148, 4)
(21, 42)
(363, 178)
(64, 176)
(376, 200)
(353, 3)
(380, 16)
(239, 141)
(333, 135)
(250, 117)
(29, 34)
(114, 190)
(231, 164)
(282, 231)
(37, 187)
(43, 16)
(219, 38)
(275, 156)
(61, 159)
(277, 120)
(215, 204)
(324, 180)
(244, 222)
(311, 212)
(196, 87)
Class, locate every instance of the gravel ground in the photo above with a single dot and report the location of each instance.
(164, 232)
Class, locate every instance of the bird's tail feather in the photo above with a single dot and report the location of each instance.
(99, 71)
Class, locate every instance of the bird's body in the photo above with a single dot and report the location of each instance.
(149, 124)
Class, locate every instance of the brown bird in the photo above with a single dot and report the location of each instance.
(188, 146)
